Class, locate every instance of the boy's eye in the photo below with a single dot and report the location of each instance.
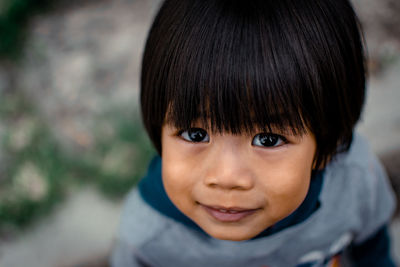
(196, 135)
(268, 140)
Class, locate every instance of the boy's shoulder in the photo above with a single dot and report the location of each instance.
(358, 176)
(359, 154)
(358, 163)
(140, 223)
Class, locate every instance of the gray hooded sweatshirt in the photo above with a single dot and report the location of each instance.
(356, 200)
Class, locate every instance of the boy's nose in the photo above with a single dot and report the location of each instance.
(228, 170)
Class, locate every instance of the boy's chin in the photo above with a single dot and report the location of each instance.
(232, 235)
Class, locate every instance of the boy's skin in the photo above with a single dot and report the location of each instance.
(233, 186)
(224, 87)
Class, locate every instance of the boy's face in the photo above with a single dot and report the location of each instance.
(236, 186)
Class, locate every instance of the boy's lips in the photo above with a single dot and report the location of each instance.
(224, 214)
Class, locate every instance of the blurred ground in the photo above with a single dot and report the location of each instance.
(79, 231)
(83, 57)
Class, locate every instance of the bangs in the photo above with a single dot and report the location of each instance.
(233, 77)
(240, 66)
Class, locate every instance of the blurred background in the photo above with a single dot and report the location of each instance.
(71, 140)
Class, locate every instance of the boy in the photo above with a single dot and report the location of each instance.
(251, 106)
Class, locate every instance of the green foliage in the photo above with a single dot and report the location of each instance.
(35, 172)
(119, 158)
(32, 170)
(14, 17)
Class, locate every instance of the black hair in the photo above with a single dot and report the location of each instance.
(242, 65)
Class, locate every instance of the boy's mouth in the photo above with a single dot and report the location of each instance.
(224, 214)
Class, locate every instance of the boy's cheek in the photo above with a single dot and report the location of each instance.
(182, 162)
(176, 165)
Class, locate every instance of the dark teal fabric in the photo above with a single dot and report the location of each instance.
(152, 191)
(373, 252)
